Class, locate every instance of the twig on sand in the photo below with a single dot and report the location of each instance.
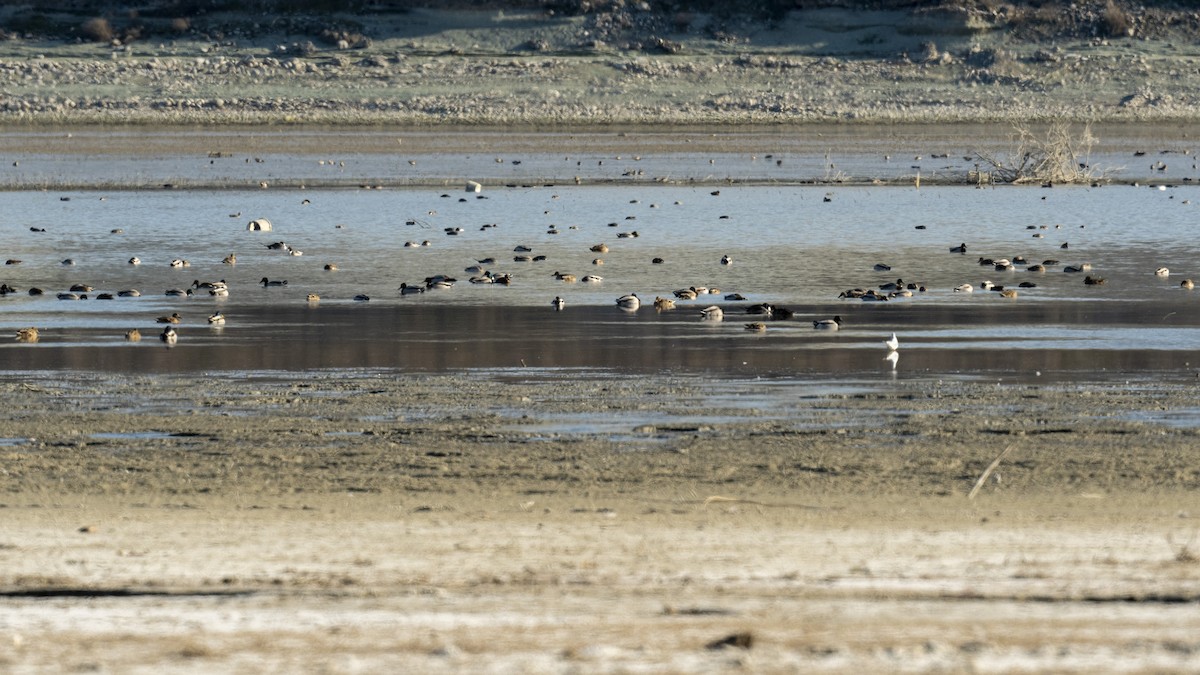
(988, 471)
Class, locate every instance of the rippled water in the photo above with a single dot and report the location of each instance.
(791, 244)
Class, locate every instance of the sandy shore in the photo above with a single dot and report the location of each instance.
(357, 522)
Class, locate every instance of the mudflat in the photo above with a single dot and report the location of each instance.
(361, 521)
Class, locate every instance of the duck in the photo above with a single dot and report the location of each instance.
(892, 343)
(726, 260)
(1187, 284)
(81, 288)
(331, 267)
(179, 292)
(756, 326)
(439, 284)
(180, 262)
(230, 259)
(712, 313)
(68, 262)
(313, 298)
(135, 261)
(208, 285)
(592, 279)
(405, 289)
(105, 296)
(892, 286)
(1008, 293)
(564, 277)
(1162, 272)
(630, 301)
(880, 267)
(761, 308)
(828, 324)
(1036, 268)
(1090, 280)
(27, 334)
(558, 303)
(1075, 269)
(133, 335)
(663, 304)
(72, 296)
(964, 288)
(217, 319)
(221, 292)
(961, 248)
(362, 297)
(686, 294)
(174, 318)
(599, 248)
(735, 297)
(169, 335)
(272, 282)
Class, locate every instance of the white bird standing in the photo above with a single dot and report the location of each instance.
(893, 344)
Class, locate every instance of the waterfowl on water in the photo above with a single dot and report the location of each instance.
(1187, 284)
(735, 297)
(893, 286)
(1036, 268)
(180, 262)
(1162, 272)
(405, 289)
(217, 319)
(72, 296)
(558, 303)
(36, 291)
(208, 285)
(712, 313)
(230, 259)
(133, 335)
(726, 260)
(686, 294)
(104, 296)
(174, 318)
(757, 326)
(964, 288)
(1008, 293)
(961, 248)
(362, 298)
(880, 267)
(178, 292)
(169, 335)
(272, 282)
(81, 288)
(630, 301)
(592, 279)
(135, 261)
(439, 284)
(564, 277)
(313, 297)
(1090, 280)
(828, 324)
(892, 343)
(331, 267)
(599, 248)
(27, 334)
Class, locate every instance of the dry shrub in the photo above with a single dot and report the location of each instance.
(1058, 156)
(1115, 20)
(97, 29)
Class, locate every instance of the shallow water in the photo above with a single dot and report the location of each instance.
(792, 245)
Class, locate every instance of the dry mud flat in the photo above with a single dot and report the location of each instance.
(359, 522)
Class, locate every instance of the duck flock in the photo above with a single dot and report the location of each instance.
(707, 303)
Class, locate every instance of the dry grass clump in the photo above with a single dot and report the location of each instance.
(1057, 156)
(97, 29)
(1115, 20)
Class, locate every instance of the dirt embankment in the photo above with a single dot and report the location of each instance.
(617, 67)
